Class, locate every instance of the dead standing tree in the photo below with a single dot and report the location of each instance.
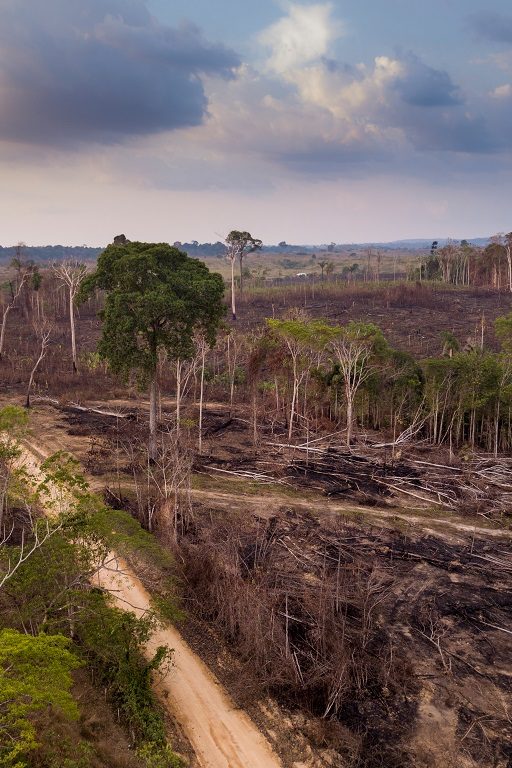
(15, 288)
(43, 332)
(71, 274)
(353, 350)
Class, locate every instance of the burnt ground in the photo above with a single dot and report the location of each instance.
(411, 316)
(444, 610)
(441, 609)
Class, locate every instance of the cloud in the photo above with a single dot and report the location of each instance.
(492, 26)
(424, 86)
(303, 36)
(502, 91)
(101, 71)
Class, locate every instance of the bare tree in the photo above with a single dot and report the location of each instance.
(43, 331)
(15, 288)
(202, 347)
(353, 350)
(71, 274)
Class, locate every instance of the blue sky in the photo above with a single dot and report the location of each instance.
(309, 122)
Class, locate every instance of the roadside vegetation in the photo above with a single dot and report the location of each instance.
(56, 537)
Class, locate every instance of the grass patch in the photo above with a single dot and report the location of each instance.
(240, 486)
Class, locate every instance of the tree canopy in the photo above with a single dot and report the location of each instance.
(157, 297)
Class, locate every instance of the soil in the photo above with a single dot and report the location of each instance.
(221, 735)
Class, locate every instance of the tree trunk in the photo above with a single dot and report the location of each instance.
(178, 396)
(2, 330)
(254, 417)
(233, 300)
(201, 393)
(350, 418)
(152, 418)
(73, 335)
(42, 354)
(292, 409)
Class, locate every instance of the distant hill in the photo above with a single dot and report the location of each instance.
(420, 244)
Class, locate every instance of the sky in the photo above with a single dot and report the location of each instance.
(309, 122)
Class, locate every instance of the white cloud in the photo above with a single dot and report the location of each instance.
(303, 36)
(502, 91)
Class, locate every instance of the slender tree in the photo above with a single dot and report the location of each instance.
(239, 244)
(353, 350)
(157, 298)
(43, 332)
(508, 254)
(301, 338)
(323, 264)
(23, 273)
(71, 274)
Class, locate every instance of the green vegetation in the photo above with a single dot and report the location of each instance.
(35, 672)
(157, 298)
(52, 619)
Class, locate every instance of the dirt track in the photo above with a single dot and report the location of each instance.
(221, 735)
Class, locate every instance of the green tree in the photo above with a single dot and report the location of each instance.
(503, 327)
(13, 425)
(156, 299)
(239, 244)
(35, 672)
(303, 339)
(323, 264)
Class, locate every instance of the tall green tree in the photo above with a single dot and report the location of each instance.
(239, 244)
(156, 299)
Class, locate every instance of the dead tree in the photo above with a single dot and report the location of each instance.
(43, 332)
(15, 289)
(71, 274)
(353, 351)
(202, 347)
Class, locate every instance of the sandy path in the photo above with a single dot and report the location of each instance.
(221, 735)
(266, 504)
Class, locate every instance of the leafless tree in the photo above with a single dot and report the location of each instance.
(43, 332)
(202, 348)
(15, 288)
(352, 351)
(71, 274)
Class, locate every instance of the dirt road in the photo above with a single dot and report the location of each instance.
(221, 735)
